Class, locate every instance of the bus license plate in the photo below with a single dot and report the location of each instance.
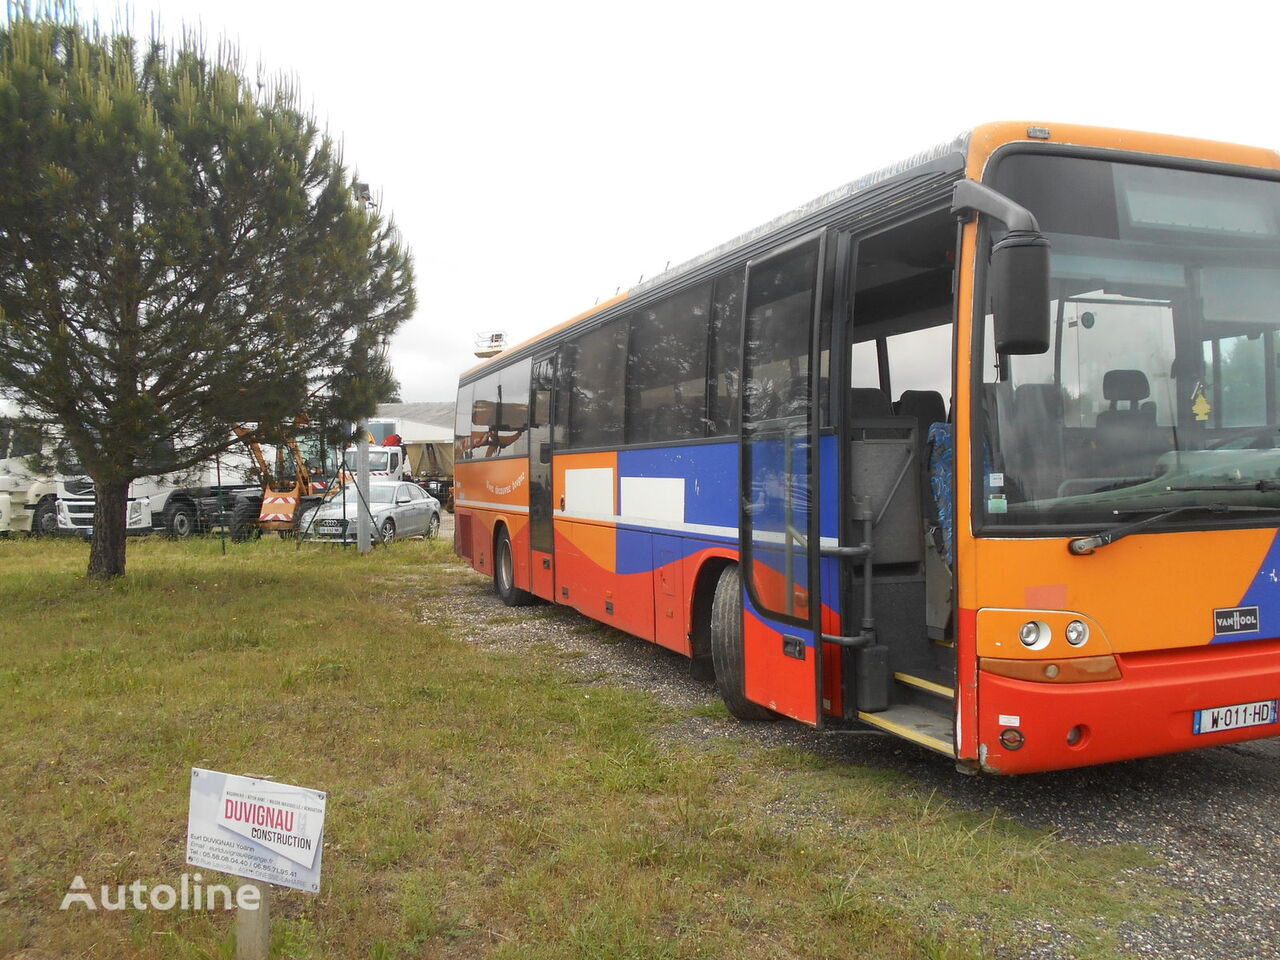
(1218, 719)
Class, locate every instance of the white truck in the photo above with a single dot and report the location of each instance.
(178, 504)
(27, 495)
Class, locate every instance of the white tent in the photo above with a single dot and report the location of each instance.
(413, 432)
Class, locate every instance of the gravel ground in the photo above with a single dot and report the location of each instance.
(1212, 816)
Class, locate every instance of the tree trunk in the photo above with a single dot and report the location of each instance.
(106, 555)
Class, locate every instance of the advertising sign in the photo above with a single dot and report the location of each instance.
(257, 829)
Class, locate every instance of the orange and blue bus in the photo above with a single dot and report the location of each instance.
(980, 450)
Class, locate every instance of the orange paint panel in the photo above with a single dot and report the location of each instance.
(998, 635)
(493, 483)
(1146, 592)
(988, 138)
(580, 461)
(597, 543)
(962, 418)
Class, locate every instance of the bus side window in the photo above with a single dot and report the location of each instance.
(666, 369)
(462, 424)
(921, 360)
(513, 430)
(597, 396)
(724, 353)
(864, 365)
(484, 418)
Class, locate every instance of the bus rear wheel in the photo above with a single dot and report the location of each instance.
(504, 574)
(726, 648)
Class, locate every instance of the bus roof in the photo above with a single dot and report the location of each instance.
(984, 138)
(957, 146)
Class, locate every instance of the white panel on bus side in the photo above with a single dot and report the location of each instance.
(589, 492)
(653, 498)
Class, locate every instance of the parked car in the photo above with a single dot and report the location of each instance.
(397, 509)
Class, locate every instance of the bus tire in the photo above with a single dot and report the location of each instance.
(504, 573)
(727, 651)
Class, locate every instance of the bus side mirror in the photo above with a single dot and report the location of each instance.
(1019, 279)
(1019, 274)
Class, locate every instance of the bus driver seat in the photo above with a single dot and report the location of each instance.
(1127, 438)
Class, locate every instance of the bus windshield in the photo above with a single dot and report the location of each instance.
(1161, 385)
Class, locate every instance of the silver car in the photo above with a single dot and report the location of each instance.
(397, 509)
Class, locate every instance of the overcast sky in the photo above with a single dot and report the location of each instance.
(539, 156)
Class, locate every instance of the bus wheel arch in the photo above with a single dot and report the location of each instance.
(727, 651)
(703, 597)
(504, 569)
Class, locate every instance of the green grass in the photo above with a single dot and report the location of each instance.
(480, 803)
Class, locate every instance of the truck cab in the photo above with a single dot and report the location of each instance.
(27, 493)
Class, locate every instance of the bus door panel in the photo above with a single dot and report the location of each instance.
(541, 511)
(778, 517)
(668, 594)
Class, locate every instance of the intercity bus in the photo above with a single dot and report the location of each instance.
(980, 450)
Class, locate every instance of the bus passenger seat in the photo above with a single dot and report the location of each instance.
(870, 403)
(926, 406)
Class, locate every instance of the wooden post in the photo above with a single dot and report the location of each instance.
(253, 927)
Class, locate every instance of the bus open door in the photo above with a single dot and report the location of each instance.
(781, 662)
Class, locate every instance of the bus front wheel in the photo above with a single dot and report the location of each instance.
(504, 574)
(726, 648)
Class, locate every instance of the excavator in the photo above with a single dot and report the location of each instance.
(288, 485)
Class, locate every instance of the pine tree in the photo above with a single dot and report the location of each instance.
(180, 250)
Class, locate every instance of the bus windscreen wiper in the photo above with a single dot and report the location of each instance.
(1262, 486)
(1084, 545)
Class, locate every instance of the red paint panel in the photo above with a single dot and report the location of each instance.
(832, 666)
(967, 684)
(1150, 711)
(482, 543)
(592, 588)
(783, 684)
(520, 552)
(669, 601)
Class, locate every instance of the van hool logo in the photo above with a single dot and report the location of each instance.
(1236, 620)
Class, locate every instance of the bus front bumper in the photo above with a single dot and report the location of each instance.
(1151, 710)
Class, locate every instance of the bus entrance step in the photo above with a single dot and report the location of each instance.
(925, 727)
(935, 688)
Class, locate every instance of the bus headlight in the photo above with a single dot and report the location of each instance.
(1077, 633)
(1034, 634)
